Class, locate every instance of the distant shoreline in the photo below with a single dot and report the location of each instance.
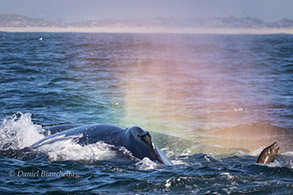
(150, 30)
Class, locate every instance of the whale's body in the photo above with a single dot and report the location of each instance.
(136, 140)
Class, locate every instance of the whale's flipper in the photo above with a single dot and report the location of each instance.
(50, 130)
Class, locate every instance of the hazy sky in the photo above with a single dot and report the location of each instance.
(76, 10)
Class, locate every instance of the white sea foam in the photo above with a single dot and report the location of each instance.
(180, 162)
(207, 158)
(68, 149)
(274, 164)
(18, 131)
(168, 182)
(228, 175)
(288, 153)
(146, 164)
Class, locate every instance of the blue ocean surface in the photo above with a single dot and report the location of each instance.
(212, 103)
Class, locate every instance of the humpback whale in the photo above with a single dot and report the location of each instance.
(136, 140)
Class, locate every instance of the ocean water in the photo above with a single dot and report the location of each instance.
(219, 99)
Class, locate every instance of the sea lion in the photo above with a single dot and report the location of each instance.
(268, 154)
(136, 140)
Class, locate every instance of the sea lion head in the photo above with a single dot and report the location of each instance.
(268, 154)
(274, 148)
(141, 145)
